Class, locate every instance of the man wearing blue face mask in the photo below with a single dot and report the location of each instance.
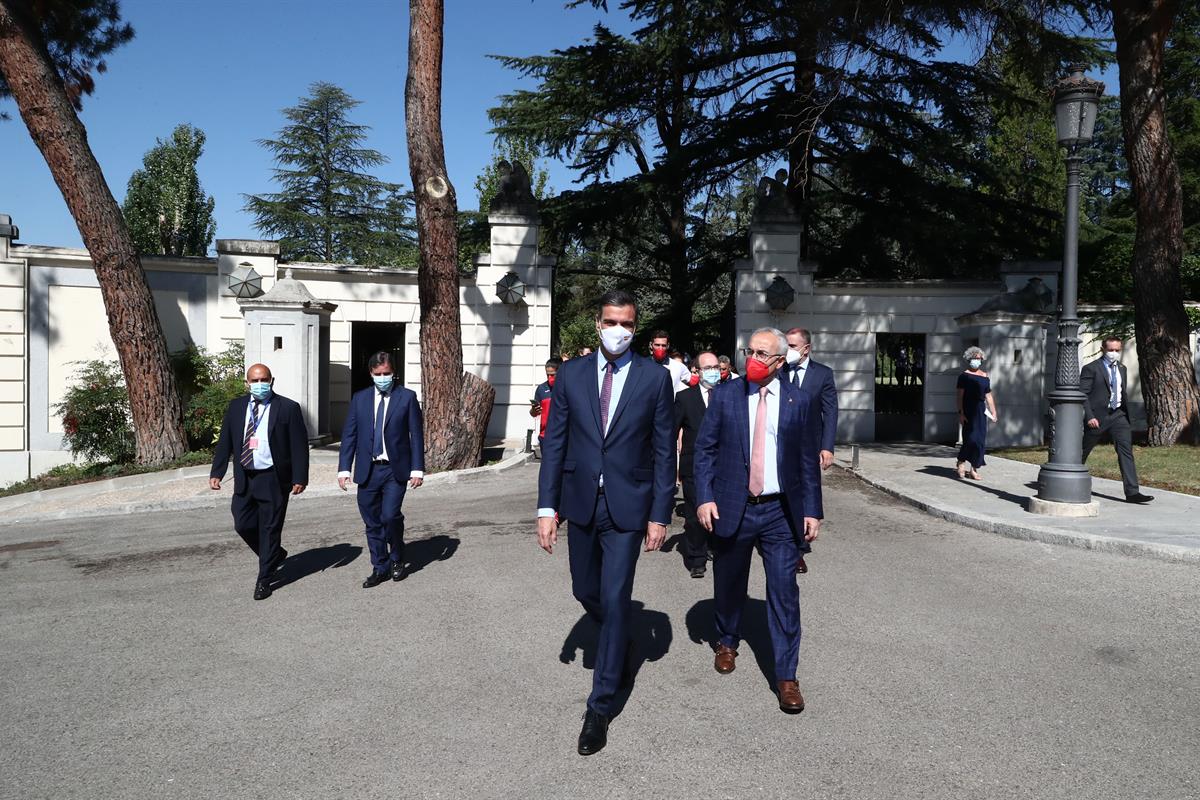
(384, 442)
(265, 434)
(690, 405)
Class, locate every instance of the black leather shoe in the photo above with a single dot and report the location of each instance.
(698, 572)
(282, 557)
(398, 571)
(1138, 498)
(262, 590)
(594, 735)
(374, 579)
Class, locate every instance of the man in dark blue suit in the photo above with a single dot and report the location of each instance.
(384, 442)
(758, 483)
(608, 465)
(266, 435)
(816, 380)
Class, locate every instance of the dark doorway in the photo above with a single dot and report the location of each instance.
(899, 387)
(368, 338)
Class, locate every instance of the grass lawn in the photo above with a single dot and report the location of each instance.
(71, 474)
(1175, 468)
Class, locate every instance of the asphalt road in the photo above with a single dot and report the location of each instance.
(937, 662)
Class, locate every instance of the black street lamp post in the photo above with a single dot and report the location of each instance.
(1064, 479)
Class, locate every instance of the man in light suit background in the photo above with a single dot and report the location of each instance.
(1103, 383)
(608, 466)
(384, 442)
(270, 464)
(758, 483)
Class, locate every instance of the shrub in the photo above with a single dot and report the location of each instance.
(217, 380)
(95, 414)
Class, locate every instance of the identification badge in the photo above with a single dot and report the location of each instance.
(254, 443)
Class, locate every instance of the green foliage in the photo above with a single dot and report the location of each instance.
(165, 207)
(97, 425)
(78, 35)
(73, 474)
(1181, 69)
(208, 382)
(329, 207)
(487, 183)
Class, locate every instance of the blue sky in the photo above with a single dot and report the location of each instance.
(229, 66)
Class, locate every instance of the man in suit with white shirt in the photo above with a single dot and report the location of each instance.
(816, 380)
(1103, 383)
(690, 405)
(759, 485)
(384, 442)
(608, 466)
(270, 464)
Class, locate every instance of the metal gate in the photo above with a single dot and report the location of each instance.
(899, 387)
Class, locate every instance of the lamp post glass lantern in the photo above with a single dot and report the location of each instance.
(1064, 478)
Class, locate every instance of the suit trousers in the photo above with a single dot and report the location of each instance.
(379, 502)
(258, 516)
(603, 560)
(1115, 422)
(766, 526)
(695, 538)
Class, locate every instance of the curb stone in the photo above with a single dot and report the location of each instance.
(1037, 533)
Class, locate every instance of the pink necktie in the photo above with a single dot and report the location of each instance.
(758, 468)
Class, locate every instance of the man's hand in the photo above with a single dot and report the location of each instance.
(706, 513)
(826, 459)
(655, 536)
(343, 482)
(415, 482)
(1093, 423)
(812, 528)
(547, 531)
(214, 483)
(297, 488)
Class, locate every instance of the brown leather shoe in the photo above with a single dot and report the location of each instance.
(801, 567)
(724, 662)
(790, 699)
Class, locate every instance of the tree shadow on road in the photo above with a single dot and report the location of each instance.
(420, 554)
(650, 634)
(318, 559)
(702, 629)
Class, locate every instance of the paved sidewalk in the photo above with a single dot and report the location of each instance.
(187, 488)
(923, 475)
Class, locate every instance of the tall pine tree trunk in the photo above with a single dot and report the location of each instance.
(132, 321)
(1169, 386)
(456, 406)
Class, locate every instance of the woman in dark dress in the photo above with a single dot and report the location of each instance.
(975, 405)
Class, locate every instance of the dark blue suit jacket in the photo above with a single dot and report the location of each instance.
(403, 434)
(637, 457)
(286, 433)
(722, 461)
(818, 385)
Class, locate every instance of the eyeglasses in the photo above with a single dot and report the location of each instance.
(761, 355)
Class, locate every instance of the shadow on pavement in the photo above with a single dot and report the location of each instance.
(318, 559)
(702, 628)
(420, 554)
(947, 472)
(650, 634)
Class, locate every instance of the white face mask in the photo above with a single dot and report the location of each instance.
(1113, 355)
(975, 363)
(616, 339)
(793, 357)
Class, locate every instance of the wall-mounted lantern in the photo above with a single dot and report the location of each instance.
(244, 281)
(510, 289)
(780, 294)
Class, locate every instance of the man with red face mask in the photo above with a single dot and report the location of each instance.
(540, 404)
(660, 352)
(758, 484)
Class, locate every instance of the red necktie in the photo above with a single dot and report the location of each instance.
(758, 468)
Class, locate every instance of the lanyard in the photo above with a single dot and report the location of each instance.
(258, 417)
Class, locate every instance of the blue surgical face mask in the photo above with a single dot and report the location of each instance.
(383, 382)
(975, 363)
(710, 377)
(260, 390)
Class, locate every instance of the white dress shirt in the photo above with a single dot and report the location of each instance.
(1113, 370)
(800, 369)
(384, 398)
(770, 464)
(262, 453)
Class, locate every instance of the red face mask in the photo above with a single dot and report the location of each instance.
(757, 371)
(692, 381)
(660, 351)
(550, 380)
